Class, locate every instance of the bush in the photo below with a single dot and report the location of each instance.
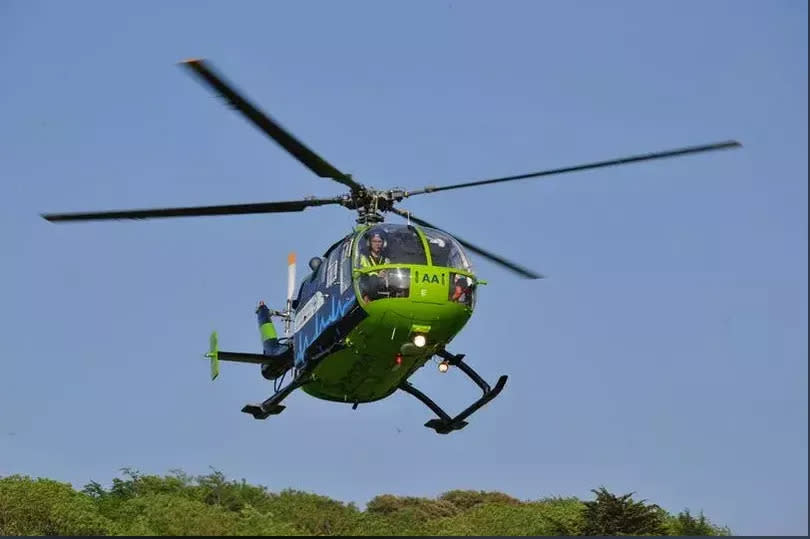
(45, 507)
(178, 504)
(686, 524)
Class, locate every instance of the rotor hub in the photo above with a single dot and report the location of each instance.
(371, 204)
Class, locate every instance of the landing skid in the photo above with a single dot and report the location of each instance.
(446, 424)
(273, 406)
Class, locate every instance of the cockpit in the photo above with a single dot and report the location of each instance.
(389, 244)
(445, 251)
(394, 247)
(401, 244)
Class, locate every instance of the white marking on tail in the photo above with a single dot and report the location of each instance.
(290, 276)
(290, 290)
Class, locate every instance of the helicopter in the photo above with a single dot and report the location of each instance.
(380, 302)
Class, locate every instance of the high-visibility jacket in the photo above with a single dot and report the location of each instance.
(367, 261)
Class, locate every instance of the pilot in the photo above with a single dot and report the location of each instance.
(376, 242)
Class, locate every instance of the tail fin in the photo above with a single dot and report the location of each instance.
(213, 355)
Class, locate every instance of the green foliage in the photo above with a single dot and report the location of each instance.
(422, 508)
(496, 519)
(179, 504)
(166, 514)
(235, 496)
(612, 515)
(406, 521)
(313, 514)
(686, 524)
(251, 522)
(565, 516)
(467, 499)
(45, 507)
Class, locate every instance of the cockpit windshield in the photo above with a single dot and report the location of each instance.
(396, 244)
(389, 244)
(445, 251)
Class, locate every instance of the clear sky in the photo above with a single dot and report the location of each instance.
(666, 353)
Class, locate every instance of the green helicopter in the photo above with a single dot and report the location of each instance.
(381, 301)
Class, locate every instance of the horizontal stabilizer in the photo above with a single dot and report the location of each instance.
(215, 355)
(244, 358)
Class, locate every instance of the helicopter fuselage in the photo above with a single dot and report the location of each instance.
(361, 330)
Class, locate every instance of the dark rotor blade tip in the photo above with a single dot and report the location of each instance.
(268, 126)
(192, 63)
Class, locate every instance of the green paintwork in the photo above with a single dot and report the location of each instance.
(268, 331)
(367, 370)
(213, 355)
(379, 353)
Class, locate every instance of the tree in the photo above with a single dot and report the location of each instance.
(612, 515)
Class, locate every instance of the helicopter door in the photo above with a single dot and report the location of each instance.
(446, 252)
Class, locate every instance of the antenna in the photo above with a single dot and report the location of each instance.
(290, 290)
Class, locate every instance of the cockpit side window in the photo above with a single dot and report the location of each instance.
(389, 244)
(331, 262)
(309, 285)
(345, 265)
(445, 251)
(313, 280)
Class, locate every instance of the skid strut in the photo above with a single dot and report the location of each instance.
(272, 405)
(445, 424)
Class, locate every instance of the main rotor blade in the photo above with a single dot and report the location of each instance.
(599, 164)
(231, 209)
(270, 127)
(486, 254)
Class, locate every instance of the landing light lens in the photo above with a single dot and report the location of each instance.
(419, 341)
(443, 366)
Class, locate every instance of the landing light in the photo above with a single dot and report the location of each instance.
(443, 366)
(419, 341)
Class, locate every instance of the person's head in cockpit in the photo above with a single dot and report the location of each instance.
(376, 244)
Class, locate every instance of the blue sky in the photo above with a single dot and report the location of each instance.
(666, 353)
